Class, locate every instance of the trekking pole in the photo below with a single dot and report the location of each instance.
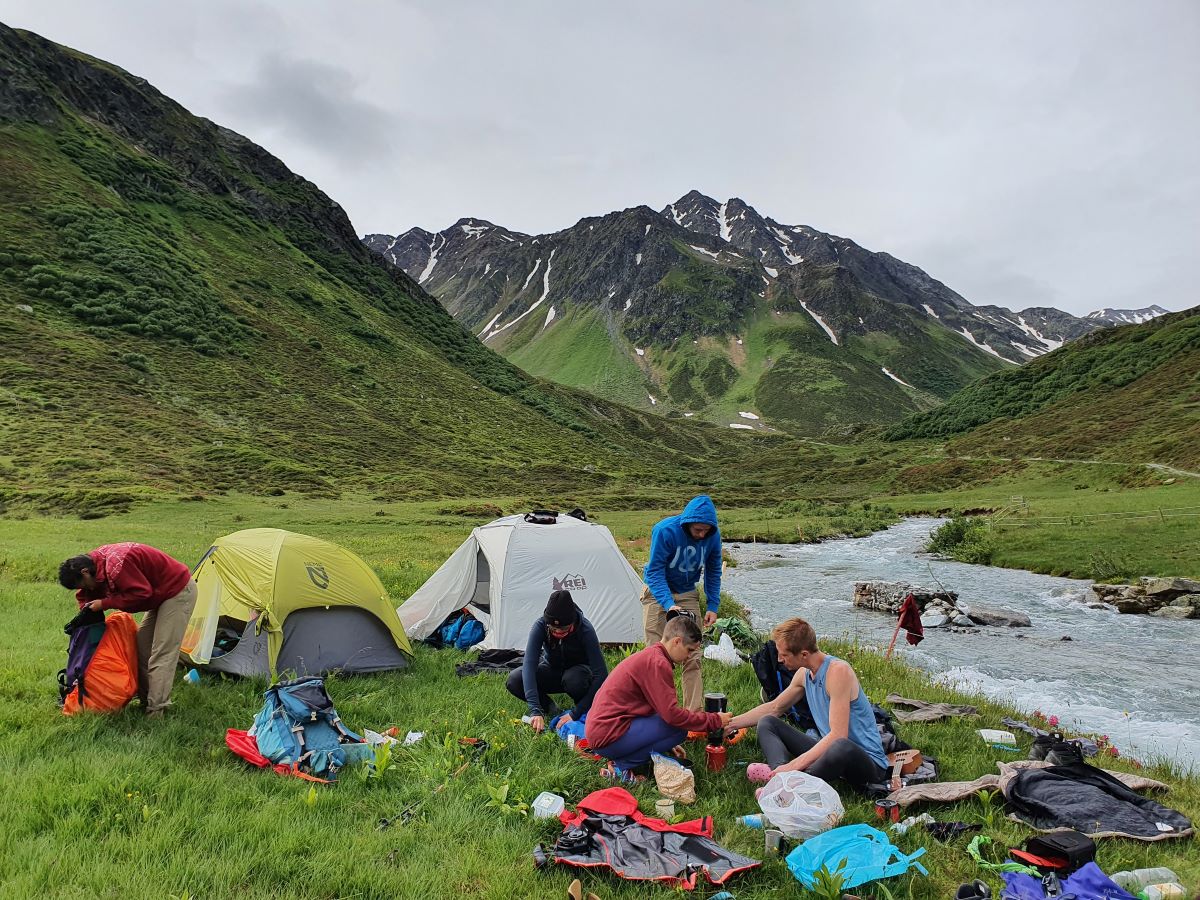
(892, 645)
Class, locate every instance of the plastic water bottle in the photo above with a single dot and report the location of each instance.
(192, 677)
(1135, 879)
(1172, 891)
(755, 821)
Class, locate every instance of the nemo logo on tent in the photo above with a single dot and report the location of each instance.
(318, 576)
(569, 583)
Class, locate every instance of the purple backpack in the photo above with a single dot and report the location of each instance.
(85, 631)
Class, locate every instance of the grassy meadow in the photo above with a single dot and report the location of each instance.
(120, 807)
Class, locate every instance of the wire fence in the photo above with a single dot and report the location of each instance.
(1009, 516)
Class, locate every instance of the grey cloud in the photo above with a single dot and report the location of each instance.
(1018, 151)
(315, 104)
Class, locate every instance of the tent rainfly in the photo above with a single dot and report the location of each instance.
(504, 574)
(287, 602)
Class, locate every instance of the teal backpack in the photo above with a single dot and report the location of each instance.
(859, 851)
(299, 727)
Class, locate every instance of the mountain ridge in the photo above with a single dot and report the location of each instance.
(685, 310)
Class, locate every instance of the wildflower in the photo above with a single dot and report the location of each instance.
(1052, 721)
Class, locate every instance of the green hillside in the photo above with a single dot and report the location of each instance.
(180, 313)
(1119, 394)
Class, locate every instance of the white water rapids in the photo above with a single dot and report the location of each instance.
(1131, 677)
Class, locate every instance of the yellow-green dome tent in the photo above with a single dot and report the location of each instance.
(285, 602)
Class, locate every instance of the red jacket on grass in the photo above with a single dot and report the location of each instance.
(134, 577)
(640, 685)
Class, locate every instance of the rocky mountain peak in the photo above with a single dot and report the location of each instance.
(1110, 316)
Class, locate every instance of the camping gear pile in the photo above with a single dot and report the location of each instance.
(271, 601)
(298, 732)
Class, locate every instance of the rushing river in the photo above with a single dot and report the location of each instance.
(1131, 677)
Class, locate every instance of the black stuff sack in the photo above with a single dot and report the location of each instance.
(1067, 850)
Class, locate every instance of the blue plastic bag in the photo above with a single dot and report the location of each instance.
(861, 852)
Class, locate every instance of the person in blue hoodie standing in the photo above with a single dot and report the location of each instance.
(681, 547)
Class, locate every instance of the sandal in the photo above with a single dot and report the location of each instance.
(976, 890)
(622, 776)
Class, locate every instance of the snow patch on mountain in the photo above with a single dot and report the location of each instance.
(713, 253)
(726, 234)
(820, 321)
(982, 346)
(528, 278)
(549, 317)
(748, 415)
(740, 426)
(488, 326)
(434, 247)
(894, 378)
(929, 309)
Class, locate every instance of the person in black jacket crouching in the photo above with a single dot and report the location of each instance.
(562, 656)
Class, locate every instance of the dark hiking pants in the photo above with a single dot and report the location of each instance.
(844, 759)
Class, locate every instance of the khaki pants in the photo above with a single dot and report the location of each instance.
(654, 618)
(158, 640)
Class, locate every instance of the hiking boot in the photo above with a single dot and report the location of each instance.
(1065, 753)
(976, 890)
(1042, 744)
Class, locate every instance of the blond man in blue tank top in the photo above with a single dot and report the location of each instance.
(849, 746)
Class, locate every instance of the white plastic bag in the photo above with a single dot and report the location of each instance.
(800, 805)
(723, 651)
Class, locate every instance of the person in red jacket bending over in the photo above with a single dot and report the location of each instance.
(138, 578)
(636, 712)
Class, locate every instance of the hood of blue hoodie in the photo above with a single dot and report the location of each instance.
(699, 510)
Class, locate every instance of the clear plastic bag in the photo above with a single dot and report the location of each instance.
(723, 651)
(800, 805)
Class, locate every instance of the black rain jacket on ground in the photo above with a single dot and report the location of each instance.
(1090, 801)
(606, 830)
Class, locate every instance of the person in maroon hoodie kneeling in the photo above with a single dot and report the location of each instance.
(139, 578)
(636, 712)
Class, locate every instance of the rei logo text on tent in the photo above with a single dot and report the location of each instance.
(568, 583)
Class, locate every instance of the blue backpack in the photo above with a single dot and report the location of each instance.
(463, 632)
(860, 852)
(299, 727)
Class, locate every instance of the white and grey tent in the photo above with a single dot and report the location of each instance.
(504, 574)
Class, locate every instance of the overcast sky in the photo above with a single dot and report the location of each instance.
(1025, 153)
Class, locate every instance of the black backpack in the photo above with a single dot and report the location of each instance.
(542, 517)
(774, 678)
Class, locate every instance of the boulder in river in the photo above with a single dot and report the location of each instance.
(1174, 612)
(934, 620)
(1005, 617)
(1155, 586)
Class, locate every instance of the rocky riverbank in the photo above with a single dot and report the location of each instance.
(938, 608)
(1166, 598)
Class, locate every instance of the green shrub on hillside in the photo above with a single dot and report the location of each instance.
(1101, 362)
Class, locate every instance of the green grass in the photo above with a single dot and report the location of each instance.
(577, 350)
(1081, 521)
(118, 807)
